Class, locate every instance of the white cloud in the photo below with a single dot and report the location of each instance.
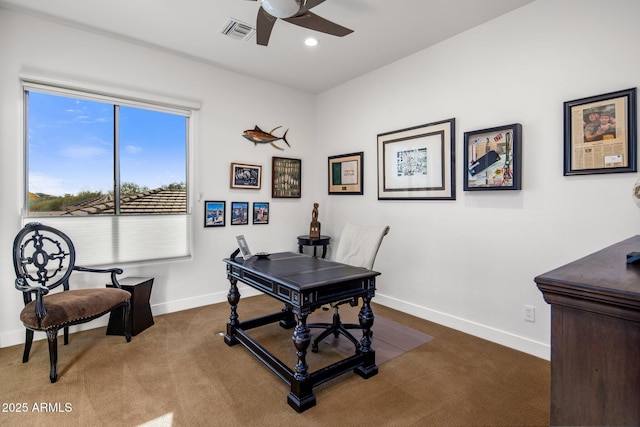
(41, 183)
(84, 152)
(133, 149)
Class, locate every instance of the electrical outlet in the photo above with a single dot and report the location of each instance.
(529, 313)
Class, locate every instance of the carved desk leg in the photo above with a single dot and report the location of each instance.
(368, 368)
(301, 397)
(234, 298)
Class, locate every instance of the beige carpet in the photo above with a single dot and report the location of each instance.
(180, 372)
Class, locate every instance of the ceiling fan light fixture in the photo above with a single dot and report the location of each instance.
(311, 42)
(281, 8)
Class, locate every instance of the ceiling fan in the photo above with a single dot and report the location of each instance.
(295, 12)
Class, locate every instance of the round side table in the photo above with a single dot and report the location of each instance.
(305, 240)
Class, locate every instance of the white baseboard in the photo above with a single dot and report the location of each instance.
(488, 333)
(526, 345)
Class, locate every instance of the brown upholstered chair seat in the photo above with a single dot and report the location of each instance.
(72, 307)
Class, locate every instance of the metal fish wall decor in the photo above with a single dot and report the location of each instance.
(258, 136)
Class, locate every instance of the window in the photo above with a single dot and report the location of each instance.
(109, 169)
(82, 154)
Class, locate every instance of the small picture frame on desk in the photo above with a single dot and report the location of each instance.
(244, 247)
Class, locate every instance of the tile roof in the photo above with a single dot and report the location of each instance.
(157, 201)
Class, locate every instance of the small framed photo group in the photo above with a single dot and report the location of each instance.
(215, 213)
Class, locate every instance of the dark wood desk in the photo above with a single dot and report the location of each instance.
(595, 338)
(302, 283)
(305, 240)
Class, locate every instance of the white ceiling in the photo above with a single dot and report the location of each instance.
(384, 31)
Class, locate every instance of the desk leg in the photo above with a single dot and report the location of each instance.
(366, 317)
(301, 397)
(324, 251)
(234, 298)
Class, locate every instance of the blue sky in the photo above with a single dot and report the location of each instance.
(71, 146)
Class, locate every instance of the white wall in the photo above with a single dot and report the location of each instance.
(520, 67)
(230, 103)
(470, 263)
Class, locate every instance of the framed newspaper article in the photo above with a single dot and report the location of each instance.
(418, 163)
(493, 158)
(600, 134)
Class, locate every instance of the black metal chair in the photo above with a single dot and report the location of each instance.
(358, 246)
(43, 259)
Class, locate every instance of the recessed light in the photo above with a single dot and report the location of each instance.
(311, 42)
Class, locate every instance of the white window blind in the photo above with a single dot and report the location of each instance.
(103, 93)
(109, 240)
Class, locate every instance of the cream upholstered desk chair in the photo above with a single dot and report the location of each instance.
(358, 246)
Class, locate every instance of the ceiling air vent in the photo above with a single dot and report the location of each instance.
(237, 30)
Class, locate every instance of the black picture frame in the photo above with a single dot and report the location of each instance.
(600, 134)
(286, 178)
(239, 213)
(246, 176)
(418, 163)
(493, 158)
(261, 212)
(346, 173)
(214, 213)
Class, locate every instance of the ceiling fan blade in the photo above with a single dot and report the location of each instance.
(264, 25)
(310, 4)
(314, 22)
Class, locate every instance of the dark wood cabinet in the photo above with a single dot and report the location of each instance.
(595, 338)
(141, 316)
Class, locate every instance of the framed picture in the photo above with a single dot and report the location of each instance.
(260, 213)
(246, 176)
(214, 213)
(286, 178)
(600, 134)
(493, 159)
(244, 248)
(418, 162)
(239, 213)
(346, 173)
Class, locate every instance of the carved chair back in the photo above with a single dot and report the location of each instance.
(43, 256)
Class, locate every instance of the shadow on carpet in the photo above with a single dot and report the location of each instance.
(390, 340)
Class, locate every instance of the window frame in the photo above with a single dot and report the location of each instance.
(116, 96)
